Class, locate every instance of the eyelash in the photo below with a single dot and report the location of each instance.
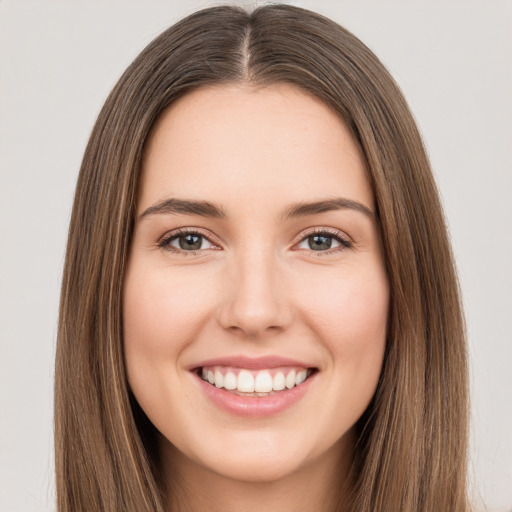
(164, 243)
(344, 242)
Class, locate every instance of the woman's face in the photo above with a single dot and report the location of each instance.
(255, 264)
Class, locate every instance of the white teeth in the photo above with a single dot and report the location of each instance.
(219, 379)
(290, 380)
(230, 381)
(263, 382)
(299, 379)
(254, 382)
(245, 382)
(278, 382)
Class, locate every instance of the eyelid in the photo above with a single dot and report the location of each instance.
(345, 241)
(163, 242)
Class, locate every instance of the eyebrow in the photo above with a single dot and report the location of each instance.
(186, 206)
(207, 209)
(303, 209)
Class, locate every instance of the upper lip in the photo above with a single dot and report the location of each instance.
(252, 363)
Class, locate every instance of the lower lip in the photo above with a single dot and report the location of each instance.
(255, 406)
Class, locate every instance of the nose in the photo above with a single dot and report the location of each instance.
(255, 301)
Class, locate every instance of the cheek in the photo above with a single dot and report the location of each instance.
(163, 310)
(350, 319)
(352, 322)
(351, 308)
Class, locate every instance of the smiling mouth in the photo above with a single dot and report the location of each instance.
(261, 383)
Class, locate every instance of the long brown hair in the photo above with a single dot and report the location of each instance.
(411, 450)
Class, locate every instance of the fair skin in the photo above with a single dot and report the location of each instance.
(253, 275)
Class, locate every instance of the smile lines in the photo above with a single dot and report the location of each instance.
(246, 381)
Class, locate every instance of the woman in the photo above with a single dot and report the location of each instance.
(259, 303)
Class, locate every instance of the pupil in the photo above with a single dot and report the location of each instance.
(319, 242)
(189, 242)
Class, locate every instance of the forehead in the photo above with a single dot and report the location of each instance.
(232, 141)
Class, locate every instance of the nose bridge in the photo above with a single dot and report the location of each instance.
(256, 302)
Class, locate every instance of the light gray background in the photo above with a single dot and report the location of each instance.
(59, 60)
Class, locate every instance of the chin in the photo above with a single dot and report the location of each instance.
(257, 469)
(251, 457)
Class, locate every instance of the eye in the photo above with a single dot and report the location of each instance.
(186, 241)
(324, 241)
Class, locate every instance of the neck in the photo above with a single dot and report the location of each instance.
(321, 485)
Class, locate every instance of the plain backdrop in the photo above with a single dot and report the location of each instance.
(59, 60)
